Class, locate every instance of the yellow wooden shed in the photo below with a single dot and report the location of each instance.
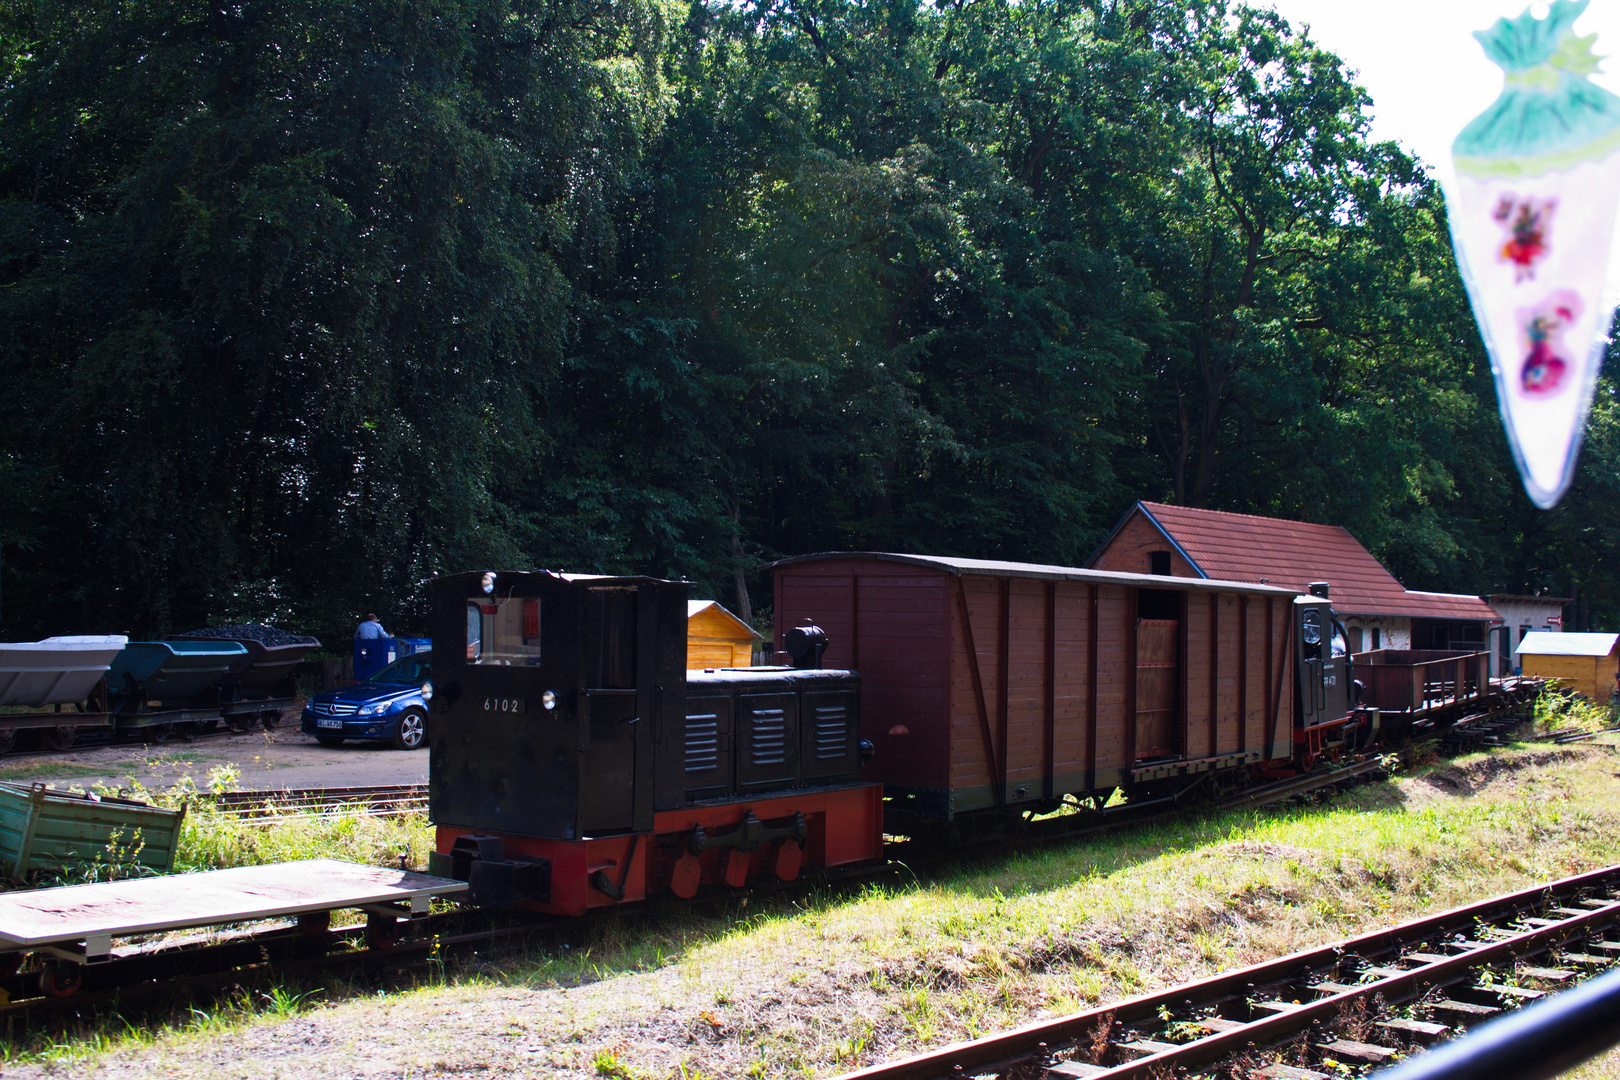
(1585, 663)
(715, 638)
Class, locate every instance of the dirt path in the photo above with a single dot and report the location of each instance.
(817, 984)
(283, 758)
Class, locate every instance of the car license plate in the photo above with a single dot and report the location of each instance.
(328, 722)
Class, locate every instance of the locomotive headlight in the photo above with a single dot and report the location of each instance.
(489, 581)
(549, 699)
(427, 691)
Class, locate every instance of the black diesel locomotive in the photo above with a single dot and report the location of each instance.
(575, 762)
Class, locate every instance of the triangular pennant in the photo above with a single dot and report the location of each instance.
(1532, 218)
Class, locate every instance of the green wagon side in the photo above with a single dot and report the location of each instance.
(45, 829)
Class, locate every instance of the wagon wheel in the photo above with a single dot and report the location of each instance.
(60, 738)
(241, 722)
(314, 923)
(1228, 782)
(187, 729)
(8, 739)
(60, 978)
(160, 733)
(208, 725)
(383, 931)
(270, 719)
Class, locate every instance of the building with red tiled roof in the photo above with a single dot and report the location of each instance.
(1377, 610)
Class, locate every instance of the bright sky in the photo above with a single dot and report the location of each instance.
(1420, 63)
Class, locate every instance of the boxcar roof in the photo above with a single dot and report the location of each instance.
(995, 568)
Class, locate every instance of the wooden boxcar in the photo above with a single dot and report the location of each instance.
(995, 685)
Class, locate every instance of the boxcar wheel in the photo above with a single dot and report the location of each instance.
(270, 720)
(411, 731)
(60, 738)
(160, 733)
(329, 740)
(383, 931)
(8, 739)
(60, 978)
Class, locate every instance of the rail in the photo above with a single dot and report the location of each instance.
(1535, 1043)
(1308, 1013)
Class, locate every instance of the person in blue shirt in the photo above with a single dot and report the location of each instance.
(370, 629)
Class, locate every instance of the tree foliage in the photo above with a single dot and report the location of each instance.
(303, 302)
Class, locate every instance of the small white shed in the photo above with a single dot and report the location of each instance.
(1586, 663)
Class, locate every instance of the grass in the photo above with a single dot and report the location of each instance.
(1564, 710)
(816, 981)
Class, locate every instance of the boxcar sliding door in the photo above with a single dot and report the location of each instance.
(1157, 675)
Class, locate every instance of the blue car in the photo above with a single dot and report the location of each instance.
(391, 705)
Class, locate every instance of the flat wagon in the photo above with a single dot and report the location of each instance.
(991, 687)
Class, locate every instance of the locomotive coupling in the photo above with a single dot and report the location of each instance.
(751, 835)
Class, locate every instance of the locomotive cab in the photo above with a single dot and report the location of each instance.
(1325, 712)
(1324, 662)
(547, 709)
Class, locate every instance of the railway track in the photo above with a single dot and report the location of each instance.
(377, 801)
(1340, 1009)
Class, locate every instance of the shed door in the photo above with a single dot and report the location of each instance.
(1157, 668)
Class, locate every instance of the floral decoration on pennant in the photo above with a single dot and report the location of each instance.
(1532, 218)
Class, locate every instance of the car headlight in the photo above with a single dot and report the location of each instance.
(372, 709)
(427, 690)
(549, 699)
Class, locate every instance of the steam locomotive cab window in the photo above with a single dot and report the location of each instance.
(1310, 634)
(504, 630)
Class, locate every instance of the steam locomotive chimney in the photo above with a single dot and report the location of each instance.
(1318, 588)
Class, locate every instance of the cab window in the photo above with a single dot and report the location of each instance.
(1310, 634)
(504, 630)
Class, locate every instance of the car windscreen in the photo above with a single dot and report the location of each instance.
(414, 669)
